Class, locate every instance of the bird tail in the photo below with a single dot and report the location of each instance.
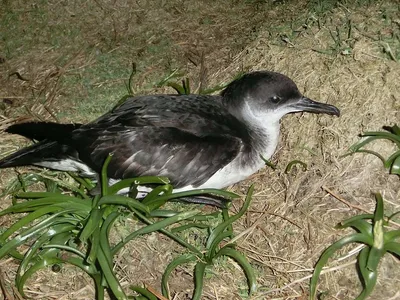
(44, 151)
(43, 130)
(49, 148)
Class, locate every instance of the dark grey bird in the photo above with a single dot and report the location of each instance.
(197, 141)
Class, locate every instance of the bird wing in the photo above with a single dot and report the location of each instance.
(200, 115)
(149, 136)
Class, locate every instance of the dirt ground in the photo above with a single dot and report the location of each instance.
(69, 61)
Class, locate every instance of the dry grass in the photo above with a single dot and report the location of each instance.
(292, 216)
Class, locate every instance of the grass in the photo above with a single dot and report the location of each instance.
(290, 221)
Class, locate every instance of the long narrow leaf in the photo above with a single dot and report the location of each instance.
(104, 236)
(395, 167)
(354, 238)
(125, 201)
(169, 234)
(34, 268)
(358, 224)
(148, 295)
(393, 248)
(344, 224)
(109, 275)
(212, 240)
(34, 204)
(391, 235)
(29, 233)
(144, 180)
(180, 260)
(199, 271)
(28, 219)
(368, 277)
(377, 249)
(188, 226)
(93, 221)
(103, 175)
(243, 263)
(154, 196)
(155, 227)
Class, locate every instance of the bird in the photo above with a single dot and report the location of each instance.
(197, 141)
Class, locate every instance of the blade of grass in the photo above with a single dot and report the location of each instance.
(199, 271)
(354, 238)
(180, 260)
(144, 180)
(212, 240)
(157, 226)
(30, 232)
(243, 263)
(148, 295)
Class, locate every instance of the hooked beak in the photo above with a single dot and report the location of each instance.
(308, 105)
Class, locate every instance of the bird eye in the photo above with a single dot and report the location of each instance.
(275, 99)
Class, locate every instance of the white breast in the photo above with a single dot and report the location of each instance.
(266, 127)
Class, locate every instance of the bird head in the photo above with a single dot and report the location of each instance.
(268, 96)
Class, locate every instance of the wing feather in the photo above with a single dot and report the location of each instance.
(173, 136)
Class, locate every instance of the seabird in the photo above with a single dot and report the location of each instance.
(197, 141)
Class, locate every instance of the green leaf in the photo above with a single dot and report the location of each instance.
(393, 248)
(383, 135)
(64, 202)
(112, 281)
(148, 295)
(243, 263)
(199, 271)
(347, 223)
(393, 129)
(395, 167)
(43, 263)
(186, 85)
(167, 233)
(30, 233)
(178, 88)
(144, 180)
(295, 162)
(103, 175)
(124, 201)
(391, 235)
(162, 213)
(359, 224)
(28, 219)
(188, 226)
(180, 260)
(377, 249)
(58, 233)
(155, 227)
(211, 252)
(354, 238)
(93, 222)
(368, 277)
(152, 199)
(214, 238)
(268, 163)
(173, 74)
(104, 236)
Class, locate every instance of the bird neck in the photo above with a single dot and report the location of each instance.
(263, 132)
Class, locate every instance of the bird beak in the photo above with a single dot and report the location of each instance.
(308, 105)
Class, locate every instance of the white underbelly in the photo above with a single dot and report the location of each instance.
(229, 175)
